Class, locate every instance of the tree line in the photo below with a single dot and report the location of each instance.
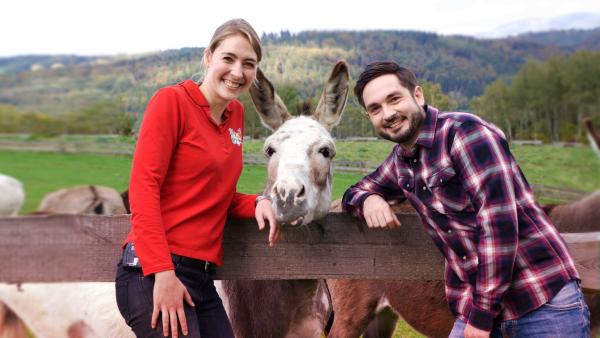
(545, 100)
(542, 101)
(102, 117)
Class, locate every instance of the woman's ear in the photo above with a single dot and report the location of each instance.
(207, 58)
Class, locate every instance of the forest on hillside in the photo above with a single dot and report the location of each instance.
(533, 86)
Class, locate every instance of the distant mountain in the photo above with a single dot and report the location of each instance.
(565, 22)
(463, 66)
(572, 39)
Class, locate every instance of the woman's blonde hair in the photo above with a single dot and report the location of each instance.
(230, 28)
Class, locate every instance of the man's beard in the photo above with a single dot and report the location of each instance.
(415, 120)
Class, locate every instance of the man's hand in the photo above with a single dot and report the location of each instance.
(473, 332)
(378, 213)
(168, 296)
(264, 212)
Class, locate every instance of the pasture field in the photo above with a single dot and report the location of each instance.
(43, 172)
(576, 168)
(565, 167)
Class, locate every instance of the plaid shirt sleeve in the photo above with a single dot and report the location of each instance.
(483, 162)
(383, 182)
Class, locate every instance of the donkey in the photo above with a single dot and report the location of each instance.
(299, 153)
(12, 196)
(67, 309)
(593, 135)
(422, 304)
(83, 199)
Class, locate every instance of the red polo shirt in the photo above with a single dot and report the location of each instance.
(183, 178)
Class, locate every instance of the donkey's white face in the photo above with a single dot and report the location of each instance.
(301, 150)
(299, 170)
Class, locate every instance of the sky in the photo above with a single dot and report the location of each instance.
(108, 27)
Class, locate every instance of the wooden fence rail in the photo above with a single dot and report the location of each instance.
(63, 248)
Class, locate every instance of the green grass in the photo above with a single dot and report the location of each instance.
(575, 168)
(572, 168)
(42, 173)
(404, 330)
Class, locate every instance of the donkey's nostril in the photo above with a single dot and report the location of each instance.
(301, 193)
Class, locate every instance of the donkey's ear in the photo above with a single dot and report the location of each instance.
(334, 97)
(268, 104)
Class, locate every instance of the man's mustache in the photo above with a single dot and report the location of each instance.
(393, 119)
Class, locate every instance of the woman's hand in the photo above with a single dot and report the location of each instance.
(264, 212)
(168, 294)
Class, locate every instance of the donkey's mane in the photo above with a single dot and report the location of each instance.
(304, 108)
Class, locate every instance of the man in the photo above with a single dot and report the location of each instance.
(508, 271)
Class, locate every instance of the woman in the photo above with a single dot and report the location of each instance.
(182, 189)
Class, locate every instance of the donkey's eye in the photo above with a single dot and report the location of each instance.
(325, 152)
(269, 151)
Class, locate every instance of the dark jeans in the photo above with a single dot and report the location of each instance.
(206, 319)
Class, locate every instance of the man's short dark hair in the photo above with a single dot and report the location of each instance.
(376, 69)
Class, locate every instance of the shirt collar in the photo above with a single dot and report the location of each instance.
(427, 132)
(193, 90)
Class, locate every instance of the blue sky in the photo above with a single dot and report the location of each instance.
(89, 27)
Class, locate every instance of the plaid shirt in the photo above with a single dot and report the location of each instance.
(504, 258)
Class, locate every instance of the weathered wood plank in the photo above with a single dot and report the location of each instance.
(585, 248)
(62, 248)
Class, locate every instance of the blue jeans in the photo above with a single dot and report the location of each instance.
(135, 295)
(565, 315)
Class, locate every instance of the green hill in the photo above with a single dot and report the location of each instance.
(463, 66)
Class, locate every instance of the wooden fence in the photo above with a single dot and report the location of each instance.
(63, 248)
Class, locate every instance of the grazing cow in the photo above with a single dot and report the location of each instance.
(299, 182)
(593, 135)
(11, 196)
(422, 304)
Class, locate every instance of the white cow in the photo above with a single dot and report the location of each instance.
(11, 196)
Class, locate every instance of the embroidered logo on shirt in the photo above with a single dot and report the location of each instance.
(236, 136)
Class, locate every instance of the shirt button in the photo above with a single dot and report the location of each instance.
(441, 180)
(415, 160)
(407, 186)
(424, 188)
(464, 258)
(449, 231)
